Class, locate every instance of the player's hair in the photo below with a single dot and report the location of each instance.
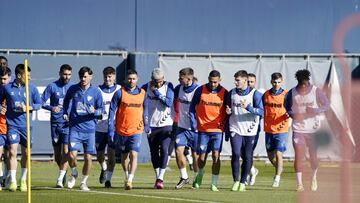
(157, 74)
(3, 58)
(276, 76)
(241, 73)
(214, 73)
(5, 71)
(65, 67)
(302, 75)
(84, 70)
(20, 69)
(131, 71)
(251, 75)
(186, 71)
(109, 70)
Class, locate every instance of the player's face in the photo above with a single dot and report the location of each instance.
(21, 77)
(214, 82)
(132, 80)
(302, 85)
(3, 63)
(276, 84)
(65, 76)
(157, 83)
(252, 82)
(4, 79)
(109, 80)
(85, 79)
(241, 82)
(185, 80)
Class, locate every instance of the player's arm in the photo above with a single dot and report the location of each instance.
(45, 97)
(37, 102)
(66, 103)
(99, 104)
(176, 103)
(113, 108)
(192, 111)
(288, 104)
(258, 107)
(323, 102)
(167, 99)
(228, 113)
(146, 116)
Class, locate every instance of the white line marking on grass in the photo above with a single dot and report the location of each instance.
(127, 194)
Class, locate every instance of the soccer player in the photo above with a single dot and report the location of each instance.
(56, 92)
(185, 136)
(160, 94)
(108, 88)
(207, 114)
(14, 94)
(253, 171)
(3, 173)
(5, 74)
(244, 107)
(304, 104)
(83, 104)
(128, 115)
(276, 125)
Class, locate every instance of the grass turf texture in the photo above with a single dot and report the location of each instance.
(44, 175)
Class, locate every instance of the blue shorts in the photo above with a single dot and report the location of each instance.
(208, 142)
(186, 138)
(18, 135)
(86, 139)
(102, 139)
(3, 141)
(276, 142)
(129, 143)
(59, 134)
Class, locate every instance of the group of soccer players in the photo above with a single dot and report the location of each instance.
(110, 116)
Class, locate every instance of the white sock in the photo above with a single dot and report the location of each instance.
(167, 164)
(157, 170)
(131, 177)
(84, 179)
(194, 176)
(126, 173)
(277, 178)
(61, 175)
(214, 179)
(183, 173)
(252, 170)
(1, 169)
(161, 174)
(23, 173)
(74, 171)
(103, 166)
(189, 159)
(13, 175)
(201, 171)
(299, 178)
(314, 173)
(109, 175)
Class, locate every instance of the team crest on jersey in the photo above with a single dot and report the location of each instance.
(89, 98)
(13, 136)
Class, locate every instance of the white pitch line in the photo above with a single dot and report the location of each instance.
(127, 194)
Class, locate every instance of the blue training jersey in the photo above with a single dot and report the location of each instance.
(56, 92)
(77, 103)
(15, 96)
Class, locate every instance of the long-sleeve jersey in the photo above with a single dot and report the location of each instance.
(115, 101)
(77, 105)
(56, 92)
(160, 102)
(196, 100)
(15, 96)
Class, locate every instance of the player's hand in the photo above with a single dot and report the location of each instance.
(228, 110)
(310, 110)
(56, 109)
(3, 110)
(153, 86)
(66, 117)
(23, 108)
(92, 109)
